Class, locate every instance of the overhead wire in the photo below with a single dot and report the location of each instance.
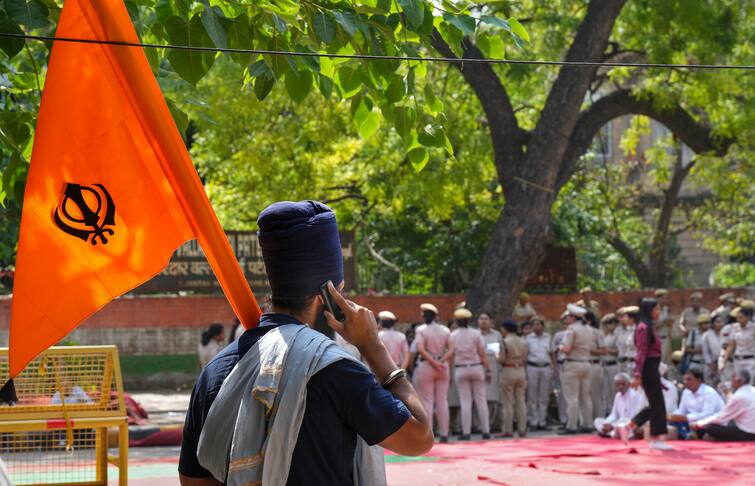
(375, 57)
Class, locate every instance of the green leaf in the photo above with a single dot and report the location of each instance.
(240, 37)
(348, 21)
(496, 21)
(325, 27)
(419, 158)
(212, 20)
(298, 85)
(284, 8)
(491, 45)
(369, 125)
(396, 90)
(414, 11)
(33, 14)
(163, 10)
(190, 65)
(404, 119)
(432, 135)
(262, 86)
(326, 86)
(465, 23)
(10, 45)
(350, 81)
(181, 118)
(182, 6)
(518, 29)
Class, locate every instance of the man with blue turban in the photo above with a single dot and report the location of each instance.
(285, 405)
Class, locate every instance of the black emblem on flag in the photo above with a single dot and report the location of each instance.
(96, 211)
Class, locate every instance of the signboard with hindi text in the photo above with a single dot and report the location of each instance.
(189, 271)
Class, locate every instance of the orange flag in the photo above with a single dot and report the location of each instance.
(111, 191)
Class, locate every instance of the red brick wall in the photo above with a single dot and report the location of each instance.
(175, 312)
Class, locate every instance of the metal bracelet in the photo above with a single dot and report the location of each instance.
(393, 377)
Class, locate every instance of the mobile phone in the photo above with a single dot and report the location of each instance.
(330, 305)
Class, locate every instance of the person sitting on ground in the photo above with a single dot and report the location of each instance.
(699, 401)
(670, 391)
(736, 422)
(211, 344)
(626, 404)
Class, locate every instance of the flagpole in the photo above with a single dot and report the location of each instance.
(150, 105)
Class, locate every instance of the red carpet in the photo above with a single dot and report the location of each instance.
(578, 461)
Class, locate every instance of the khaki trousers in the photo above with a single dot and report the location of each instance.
(514, 387)
(539, 385)
(432, 388)
(576, 385)
(596, 390)
(470, 383)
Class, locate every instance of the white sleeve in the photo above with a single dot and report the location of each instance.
(710, 407)
(614, 415)
(730, 412)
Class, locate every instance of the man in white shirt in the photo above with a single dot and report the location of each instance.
(736, 422)
(670, 392)
(699, 401)
(627, 403)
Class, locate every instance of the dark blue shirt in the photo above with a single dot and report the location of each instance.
(343, 401)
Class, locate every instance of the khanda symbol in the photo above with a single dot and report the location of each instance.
(86, 212)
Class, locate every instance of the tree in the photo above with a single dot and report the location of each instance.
(538, 136)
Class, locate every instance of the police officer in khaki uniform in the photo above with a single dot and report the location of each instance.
(728, 302)
(578, 343)
(540, 366)
(587, 303)
(742, 340)
(609, 360)
(625, 338)
(665, 324)
(513, 358)
(688, 319)
(560, 358)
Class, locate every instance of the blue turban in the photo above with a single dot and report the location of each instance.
(510, 325)
(300, 246)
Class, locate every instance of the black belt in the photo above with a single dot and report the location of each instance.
(624, 360)
(467, 365)
(577, 360)
(697, 361)
(560, 361)
(595, 361)
(536, 365)
(610, 363)
(739, 358)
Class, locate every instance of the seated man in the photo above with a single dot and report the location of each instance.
(736, 422)
(699, 401)
(670, 392)
(627, 403)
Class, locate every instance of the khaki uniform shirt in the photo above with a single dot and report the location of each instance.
(435, 338)
(625, 342)
(745, 339)
(514, 352)
(558, 339)
(395, 343)
(608, 341)
(468, 346)
(689, 317)
(592, 306)
(579, 339)
(523, 312)
(539, 348)
(665, 322)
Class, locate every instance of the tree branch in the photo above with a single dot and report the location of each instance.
(508, 138)
(622, 102)
(635, 262)
(561, 110)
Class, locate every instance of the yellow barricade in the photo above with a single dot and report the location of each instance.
(57, 432)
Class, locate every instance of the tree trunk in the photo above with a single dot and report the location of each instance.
(517, 246)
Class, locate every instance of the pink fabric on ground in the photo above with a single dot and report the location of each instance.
(577, 461)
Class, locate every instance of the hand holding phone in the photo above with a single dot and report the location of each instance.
(330, 304)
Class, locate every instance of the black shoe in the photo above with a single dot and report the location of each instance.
(567, 432)
(463, 437)
(585, 430)
(541, 427)
(485, 436)
(443, 439)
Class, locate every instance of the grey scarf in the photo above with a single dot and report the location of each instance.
(252, 426)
